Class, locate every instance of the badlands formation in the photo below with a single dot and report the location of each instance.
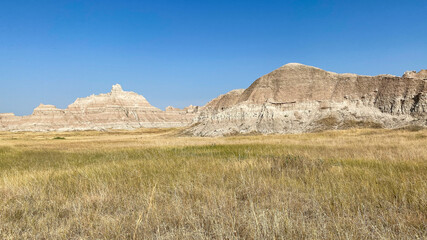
(297, 98)
(294, 98)
(115, 110)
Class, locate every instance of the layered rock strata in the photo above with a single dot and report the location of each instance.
(115, 110)
(298, 98)
(294, 98)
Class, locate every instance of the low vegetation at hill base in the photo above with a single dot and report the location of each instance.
(156, 184)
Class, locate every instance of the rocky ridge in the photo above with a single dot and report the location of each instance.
(297, 98)
(115, 110)
(294, 98)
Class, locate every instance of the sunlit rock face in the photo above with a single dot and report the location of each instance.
(294, 98)
(297, 98)
(414, 74)
(117, 109)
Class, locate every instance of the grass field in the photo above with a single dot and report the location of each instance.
(155, 184)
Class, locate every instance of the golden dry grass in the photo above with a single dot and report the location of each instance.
(154, 184)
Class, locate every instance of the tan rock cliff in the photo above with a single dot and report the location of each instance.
(294, 98)
(115, 110)
(298, 98)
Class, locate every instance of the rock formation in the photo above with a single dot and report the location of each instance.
(297, 98)
(414, 74)
(294, 98)
(115, 110)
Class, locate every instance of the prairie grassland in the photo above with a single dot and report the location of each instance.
(155, 184)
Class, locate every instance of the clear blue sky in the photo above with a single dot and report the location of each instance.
(188, 52)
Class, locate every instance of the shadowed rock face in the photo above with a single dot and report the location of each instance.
(292, 99)
(117, 110)
(295, 98)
